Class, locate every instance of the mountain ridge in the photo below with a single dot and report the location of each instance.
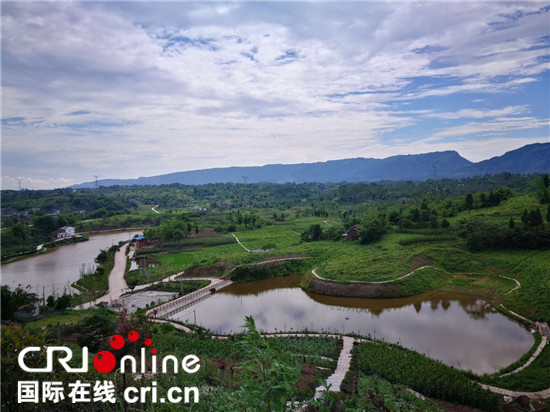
(533, 158)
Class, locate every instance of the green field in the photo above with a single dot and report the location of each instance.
(454, 267)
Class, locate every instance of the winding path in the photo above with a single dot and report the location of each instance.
(239, 242)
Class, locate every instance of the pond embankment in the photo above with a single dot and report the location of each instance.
(313, 284)
(425, 278)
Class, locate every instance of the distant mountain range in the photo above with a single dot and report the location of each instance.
(533, 158)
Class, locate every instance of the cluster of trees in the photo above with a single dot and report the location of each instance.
(12, 300)
(482, 200)
(236, 220)
(352, 193)
(532, 233)
(20, 237)
(542, 187)
(316, 232)
(173, 228)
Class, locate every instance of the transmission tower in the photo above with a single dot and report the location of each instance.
(435, 177)
(19, 183)
(245, 178)
(96, 183)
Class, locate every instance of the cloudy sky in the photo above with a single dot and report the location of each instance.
(131, 89)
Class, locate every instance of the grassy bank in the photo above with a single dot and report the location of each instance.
(93, 285)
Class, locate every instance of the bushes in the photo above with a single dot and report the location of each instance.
(427, 376)
(256, 272)
(372, 231)
(480, 235)
(424, 239)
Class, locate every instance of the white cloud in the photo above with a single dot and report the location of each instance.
(166, 85)
(29, 182)
(504, 124)
(480, 113)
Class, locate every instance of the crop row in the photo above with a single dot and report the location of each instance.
(432, 378)
(409, 240)
(309, 346)
(199, 241)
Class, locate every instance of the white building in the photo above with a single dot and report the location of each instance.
(65, 231)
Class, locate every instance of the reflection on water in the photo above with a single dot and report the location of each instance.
(56, 270)
(461, 330)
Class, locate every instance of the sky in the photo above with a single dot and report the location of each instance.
(129, 89)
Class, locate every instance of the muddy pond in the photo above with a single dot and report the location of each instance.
(460, 330)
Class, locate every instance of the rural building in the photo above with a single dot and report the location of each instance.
(28, 311)
(352, 233)
(65, 231)
(140, 241)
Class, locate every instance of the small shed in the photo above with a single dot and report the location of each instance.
(352, 233)
(140, 241)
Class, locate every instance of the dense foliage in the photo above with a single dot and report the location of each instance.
(430, 377)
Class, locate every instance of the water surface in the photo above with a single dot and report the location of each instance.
(461, 330)
(57, 269)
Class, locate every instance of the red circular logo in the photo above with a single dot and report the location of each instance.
(117, 342)
(104, 361)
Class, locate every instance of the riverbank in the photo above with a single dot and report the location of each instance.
(44, 248)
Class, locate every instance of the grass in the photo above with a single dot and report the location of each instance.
(375, 393)
(397, 254)
(94, 285)
(480, 285)
(71, 316)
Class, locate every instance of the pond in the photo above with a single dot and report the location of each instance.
(55, 270)
(461, 330)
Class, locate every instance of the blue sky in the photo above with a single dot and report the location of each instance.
(131, 89)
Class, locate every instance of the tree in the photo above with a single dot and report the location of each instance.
(469, 201)
(102, 256)
(45, 224)
(525, 217)
(63, 303)
(535, 218)
(312, 234)
(542, 187)
(12, 300)
(372, 231)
